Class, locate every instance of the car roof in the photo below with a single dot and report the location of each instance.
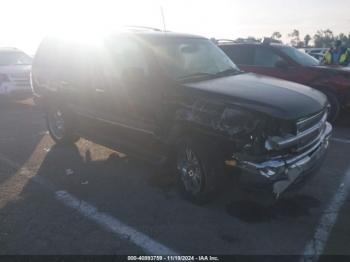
(141, 33)
(157, 34)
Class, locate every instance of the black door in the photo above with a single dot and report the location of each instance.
(134, 84)
(127, 99)
(73, 80)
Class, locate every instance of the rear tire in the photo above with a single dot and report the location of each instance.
(60, 126)
(199, 170)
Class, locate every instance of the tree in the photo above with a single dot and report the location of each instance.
(307, 40)
(276, 35)
(324, 38)
(344, 38)
(295, 38)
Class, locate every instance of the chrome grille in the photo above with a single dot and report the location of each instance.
(309, 122)
(20, 79)
(311, 129)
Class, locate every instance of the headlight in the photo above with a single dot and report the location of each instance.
(237, 121)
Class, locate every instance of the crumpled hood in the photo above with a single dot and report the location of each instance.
(271, 96)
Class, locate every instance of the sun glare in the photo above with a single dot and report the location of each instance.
(94, 18)
(68, 18)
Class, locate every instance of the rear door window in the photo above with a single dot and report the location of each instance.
(240, 54)
(265, 57)
(127, 56)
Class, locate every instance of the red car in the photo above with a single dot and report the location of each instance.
(291, 64)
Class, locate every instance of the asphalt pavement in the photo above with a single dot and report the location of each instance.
(88, 199)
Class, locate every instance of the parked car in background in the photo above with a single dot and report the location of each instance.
(15, 67)
(317, 53)
(291, 64)
(178, 98)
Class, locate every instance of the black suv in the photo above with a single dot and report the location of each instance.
(179, 99)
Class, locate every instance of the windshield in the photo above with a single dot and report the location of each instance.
(14, 58)
(299, 57)
(192, 58)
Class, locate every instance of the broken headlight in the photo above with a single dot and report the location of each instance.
(279, 131)
(236, 121)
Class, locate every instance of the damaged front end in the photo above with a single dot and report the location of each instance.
(275, 151)
(283, 153)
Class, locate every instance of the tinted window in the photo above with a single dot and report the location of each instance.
(265, 57)
(127, 56)
(240, 55)
(46, 56)
(67, 61)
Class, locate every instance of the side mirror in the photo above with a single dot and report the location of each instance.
(281, 64)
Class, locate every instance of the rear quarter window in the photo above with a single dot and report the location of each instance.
(62, 58)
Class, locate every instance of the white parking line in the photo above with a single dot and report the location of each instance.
(316, 246)
(341, 140)
(114, 225)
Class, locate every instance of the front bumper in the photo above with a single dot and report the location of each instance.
(282, 172)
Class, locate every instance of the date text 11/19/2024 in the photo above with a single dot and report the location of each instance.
(173, 258)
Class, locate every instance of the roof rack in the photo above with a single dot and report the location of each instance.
(222, 41)
(225, 40)
(247, 41)
(142, 28)
(269, 40)
(266, 41)
(237, 41)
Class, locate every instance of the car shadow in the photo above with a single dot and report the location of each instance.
(130, 181)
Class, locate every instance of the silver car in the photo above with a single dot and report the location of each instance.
(15, 67)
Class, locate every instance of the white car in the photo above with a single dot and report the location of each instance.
(318, 53)
(15, 67)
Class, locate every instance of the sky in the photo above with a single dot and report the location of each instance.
(23, 23)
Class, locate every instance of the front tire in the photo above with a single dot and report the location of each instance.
(199, 170)
(60, 126)
(335, 106)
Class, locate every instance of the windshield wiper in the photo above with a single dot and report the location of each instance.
(195, 75)
(228, 71)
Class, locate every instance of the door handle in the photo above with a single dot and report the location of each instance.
(99, 90)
